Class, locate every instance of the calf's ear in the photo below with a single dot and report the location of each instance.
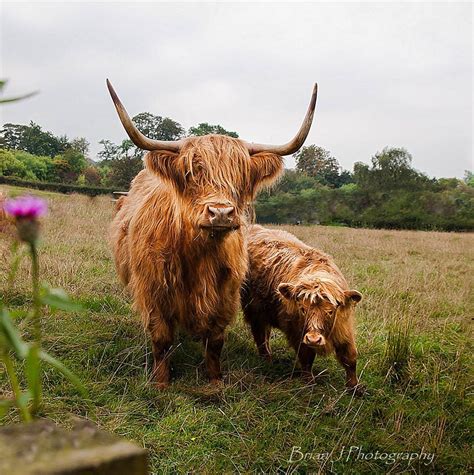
(287, 290)
(353, 295)
(265, 169)
(165, 164)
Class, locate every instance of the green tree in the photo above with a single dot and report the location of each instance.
(62, 171)
(37, 166)
(123, 171)
(157, 127)
(32, 139)
(109, 152)
(153, 126)
(293, 182)
(37, 142)
(11, 166)
(119, 163)
(391, 170)
(318, 163)
(205, 129)
(11, 136)
(469, 178)
(81, 145)
(75, 159)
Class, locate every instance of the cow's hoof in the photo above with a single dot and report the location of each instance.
(358, 390)
(161, 386)
(266, 356)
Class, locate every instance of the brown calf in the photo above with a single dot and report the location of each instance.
(299, 290)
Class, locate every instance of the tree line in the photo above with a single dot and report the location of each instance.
(30, 153)
(387, 193)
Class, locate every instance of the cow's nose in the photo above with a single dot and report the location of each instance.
(314, 339)
(221, 216)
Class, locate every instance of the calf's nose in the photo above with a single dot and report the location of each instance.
(314, 339)
(220, 216)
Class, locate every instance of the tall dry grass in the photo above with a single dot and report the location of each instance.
(413, 335)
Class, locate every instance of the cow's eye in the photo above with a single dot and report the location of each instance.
(198, 168)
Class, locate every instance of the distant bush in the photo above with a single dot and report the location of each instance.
(387, 193)
(64, 168)
(58, 187)
(444, 204)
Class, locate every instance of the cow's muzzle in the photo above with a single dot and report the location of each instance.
(219, 218)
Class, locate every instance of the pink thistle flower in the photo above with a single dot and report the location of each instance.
(26, 207)
(26, 210)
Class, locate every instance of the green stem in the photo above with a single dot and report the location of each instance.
(36, 294)
(25, 414)
(36, 320)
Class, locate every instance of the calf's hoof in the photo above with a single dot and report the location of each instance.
(216, 382)
(307, 377)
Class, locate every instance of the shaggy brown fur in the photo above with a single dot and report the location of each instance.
(179, 272)
(3, 198)
(299, 290)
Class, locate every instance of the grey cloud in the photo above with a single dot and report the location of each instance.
(389, 74)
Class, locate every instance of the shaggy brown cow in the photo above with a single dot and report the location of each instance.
(179, 235)
(298, 289)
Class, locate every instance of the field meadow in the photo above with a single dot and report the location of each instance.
(412, 334)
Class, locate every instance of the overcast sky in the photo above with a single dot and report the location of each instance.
(395, 74)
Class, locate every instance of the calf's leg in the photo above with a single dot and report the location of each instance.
(261, 335)
(306, 357)
(346, 354)
(261, 332)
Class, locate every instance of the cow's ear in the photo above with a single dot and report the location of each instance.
(165, 164)
(287, 290)
(265, 169)
(353, 296)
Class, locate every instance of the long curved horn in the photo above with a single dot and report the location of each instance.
(135, 135)
(295, 144)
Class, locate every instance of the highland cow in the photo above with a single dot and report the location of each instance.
(299, 290)
(179, 235)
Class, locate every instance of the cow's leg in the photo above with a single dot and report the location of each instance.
(346, 354)
(306, 357)
(213, 348)
(162, 335)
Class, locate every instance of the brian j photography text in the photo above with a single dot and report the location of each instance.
(355, 452)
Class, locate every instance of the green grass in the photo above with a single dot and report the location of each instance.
(415, 312)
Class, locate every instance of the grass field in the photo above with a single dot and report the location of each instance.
(415, 312)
